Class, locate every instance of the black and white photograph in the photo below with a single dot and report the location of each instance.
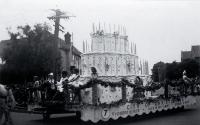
(94, 62)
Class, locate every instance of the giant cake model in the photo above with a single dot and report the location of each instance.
(111, 55)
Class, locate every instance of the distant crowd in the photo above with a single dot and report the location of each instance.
(40, 91)
(50, 89)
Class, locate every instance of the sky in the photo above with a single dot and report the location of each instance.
(161, 29)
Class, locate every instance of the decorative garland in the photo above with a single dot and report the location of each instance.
(137, 88)
(153, 87)
(175, 83)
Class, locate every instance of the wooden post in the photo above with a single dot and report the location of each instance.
(123, 92)
(94, 93)
(166, 89)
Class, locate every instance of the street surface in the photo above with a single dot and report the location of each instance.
(189, 116)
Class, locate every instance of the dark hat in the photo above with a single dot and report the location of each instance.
(64, 73)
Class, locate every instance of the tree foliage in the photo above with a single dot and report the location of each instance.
(158, 71)
(174, 70)
(31, 51)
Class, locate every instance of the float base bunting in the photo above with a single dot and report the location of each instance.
(97, 113)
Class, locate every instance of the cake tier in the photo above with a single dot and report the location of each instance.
(110, 64)
(113, 43)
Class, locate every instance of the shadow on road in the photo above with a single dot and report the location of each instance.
(72, 120)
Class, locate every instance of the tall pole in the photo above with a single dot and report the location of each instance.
(159, 75)
(56, 18)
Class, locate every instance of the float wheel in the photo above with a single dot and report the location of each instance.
(182, 108)
(78, 115)
(46, 116)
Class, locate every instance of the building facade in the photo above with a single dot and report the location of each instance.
(193, 54)
(70, 55)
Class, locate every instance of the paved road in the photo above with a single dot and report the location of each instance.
(189, 116)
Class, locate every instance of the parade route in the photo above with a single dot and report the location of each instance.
(186, 117)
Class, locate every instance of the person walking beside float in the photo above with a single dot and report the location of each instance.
(7, 102)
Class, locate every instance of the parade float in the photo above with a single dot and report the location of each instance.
(120, 85)
(117, 85)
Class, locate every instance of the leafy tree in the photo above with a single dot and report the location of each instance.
(174, 70)
(158, 71)
(191, 66)
(31, 51)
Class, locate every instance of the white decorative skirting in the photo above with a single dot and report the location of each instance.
(97, 113)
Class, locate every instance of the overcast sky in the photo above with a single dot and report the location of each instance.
(160, 28)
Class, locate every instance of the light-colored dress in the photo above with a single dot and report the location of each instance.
(60, 84)
(73, 80)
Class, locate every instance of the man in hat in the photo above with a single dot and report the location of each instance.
(37, 92)
(51, 87)
(73, 77)
(51, 81)
(72, 74)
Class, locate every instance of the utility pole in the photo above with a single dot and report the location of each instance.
(159, 74)
(56, 18)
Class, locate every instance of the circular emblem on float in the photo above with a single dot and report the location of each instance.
(105, 113)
